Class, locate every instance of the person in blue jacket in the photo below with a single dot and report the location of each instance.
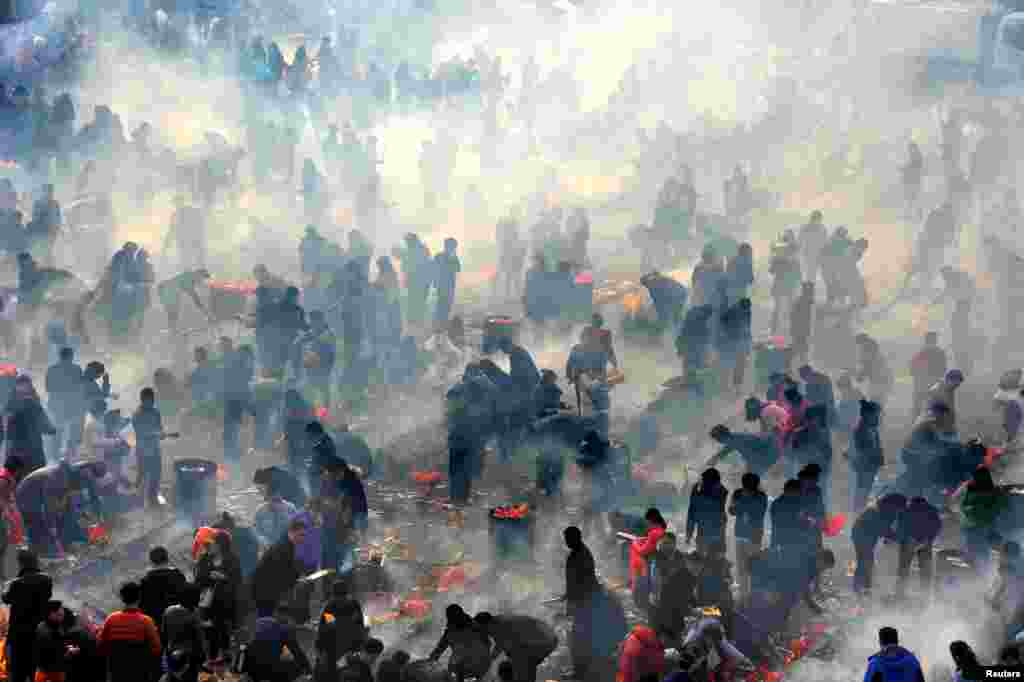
(893, 663)
(875, 523)
(668, 296)
(758, 450)
(694, 338)
(865, 455)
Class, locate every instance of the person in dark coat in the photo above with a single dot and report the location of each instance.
(597, 629)
(759, 451)
(162, 586)
(801, 323)
(917, 530)
(26, 424)
(706, 515)
(218, 577)
(865, 455)
(43, 498)
(325, 454)
(470, 645)
(812, 446)
(446, 270)
(278, 570)
(65, 401)
(734, 342)
(547, 397)
(669, 297)
(580, 573)
(471, 409)
(52, 653)
(297, 414)
(674, 592)
(749, 505)
(524, 640)
(243, 541)
(263, 655)
(791, 529)
(27, 596)
(341, 629)
(238, 375)
(875, 523)
(281, 483)
(694, 338)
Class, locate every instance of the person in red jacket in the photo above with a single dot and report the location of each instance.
(129, 640)
(12, 529)
(643, 655)
(639, 550)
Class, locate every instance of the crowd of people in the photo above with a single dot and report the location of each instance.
(715, 579)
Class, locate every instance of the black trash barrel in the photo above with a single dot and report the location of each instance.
(511, 534)
(195, 489)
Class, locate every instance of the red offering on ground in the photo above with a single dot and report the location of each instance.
(98, 534)
(244, 287)
(320, 413)
(416, 608)
(454, 576)
(991, 455)
(585, 278)
(834, 525)
(426, 476)
(779, 341)
(8, 370)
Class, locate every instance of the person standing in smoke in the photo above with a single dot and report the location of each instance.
(511, 256)
(873, 368)
(66, 402)
(170, 292)
(27, 596)
(812, 238)
(927, 367)
(959, 288)
(912, 174)
(694, 339)
(25, 424)
(875, 523)
(314, 193)
(785, 270)
(801, 323)
(865, 455)
(149, 430)
(46, 223)
(187, 232)
(446, 269)
(470, 414)
(417, 269)
(238, 375)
